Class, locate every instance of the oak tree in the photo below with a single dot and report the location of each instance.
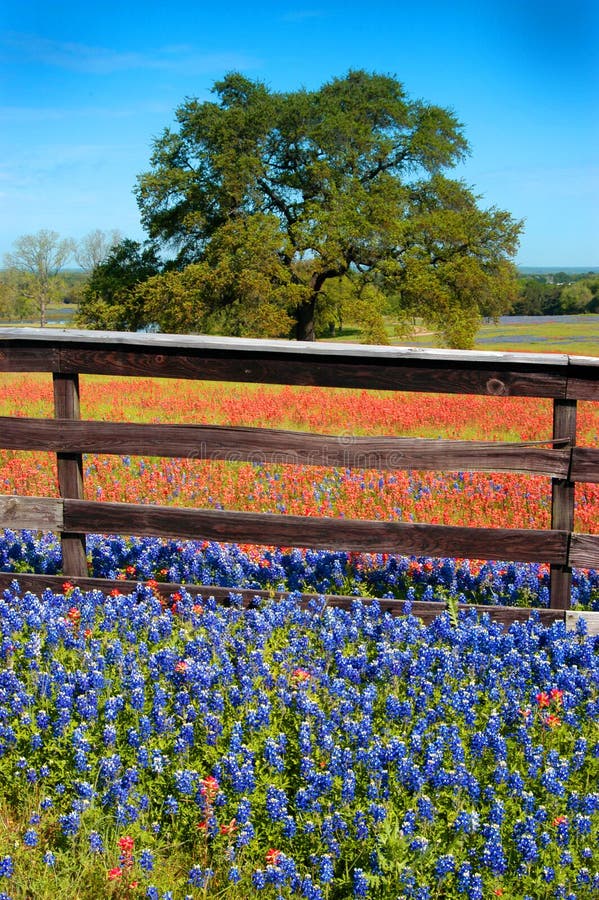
(278, 197)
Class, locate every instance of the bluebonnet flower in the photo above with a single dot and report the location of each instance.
(95, 842)
(31, 838)
(69, 823)
(199, 877)
(146, 860)
(444, 865)
(360, 883)
(6, 867)
(259, 879)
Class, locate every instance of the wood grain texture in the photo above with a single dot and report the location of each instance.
(585, 464)
(562, 503)
(318, 533)
(583, 378)
(584, 551)
(591, 620)
(37, 513)
(69, 467)
(261, 445)
(293, 362)
(20, 357)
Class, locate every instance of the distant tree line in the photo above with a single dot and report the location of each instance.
(556, 294)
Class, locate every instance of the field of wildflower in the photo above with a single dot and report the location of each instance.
(175, 748)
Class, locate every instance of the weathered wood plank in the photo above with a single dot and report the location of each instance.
(70, 470)
(37, 357)
(319, 533)
(262, 445)
(562, 503)
(585, 464)
(584, 551)
(292, 362)
(303, 370)
(583, 378)
(63, 337)
(37, 513)
(506, 615)
(590, 618)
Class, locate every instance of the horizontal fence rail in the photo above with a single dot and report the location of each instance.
(67, 354)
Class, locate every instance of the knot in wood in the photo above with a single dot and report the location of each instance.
(496, 387)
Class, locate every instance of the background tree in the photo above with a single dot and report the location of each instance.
(350, 178)
(108, 300)
(576, 297)
(94, 247)
(37, 260)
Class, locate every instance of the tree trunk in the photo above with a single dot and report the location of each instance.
(304, 327)
(43, 303)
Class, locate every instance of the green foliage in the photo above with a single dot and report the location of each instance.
(109, 300)
(557, 294)
(295, 208)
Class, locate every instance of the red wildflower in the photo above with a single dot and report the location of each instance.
(230, 828)
(115, 873)
(556, 696)
(181, 666)
(209, 788)
(74, 615)
(559, 820)
(543, 699)
(67, 587)
(552, 721)
(126, 844)
(301, 675)
(197, 609)
(272, 857)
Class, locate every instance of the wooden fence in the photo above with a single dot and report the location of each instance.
(67, 354)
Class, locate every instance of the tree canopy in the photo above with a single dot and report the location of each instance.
(282, 212)
(108, 299)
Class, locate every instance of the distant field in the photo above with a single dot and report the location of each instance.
(540, 334)
(578, 335)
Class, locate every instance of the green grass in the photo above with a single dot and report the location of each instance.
(576, 335)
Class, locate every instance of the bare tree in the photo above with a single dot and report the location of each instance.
(93, 249)
(38, 258)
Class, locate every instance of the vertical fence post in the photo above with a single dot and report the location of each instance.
(562, 503)
(70, 472)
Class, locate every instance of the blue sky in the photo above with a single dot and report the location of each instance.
(86, 86)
